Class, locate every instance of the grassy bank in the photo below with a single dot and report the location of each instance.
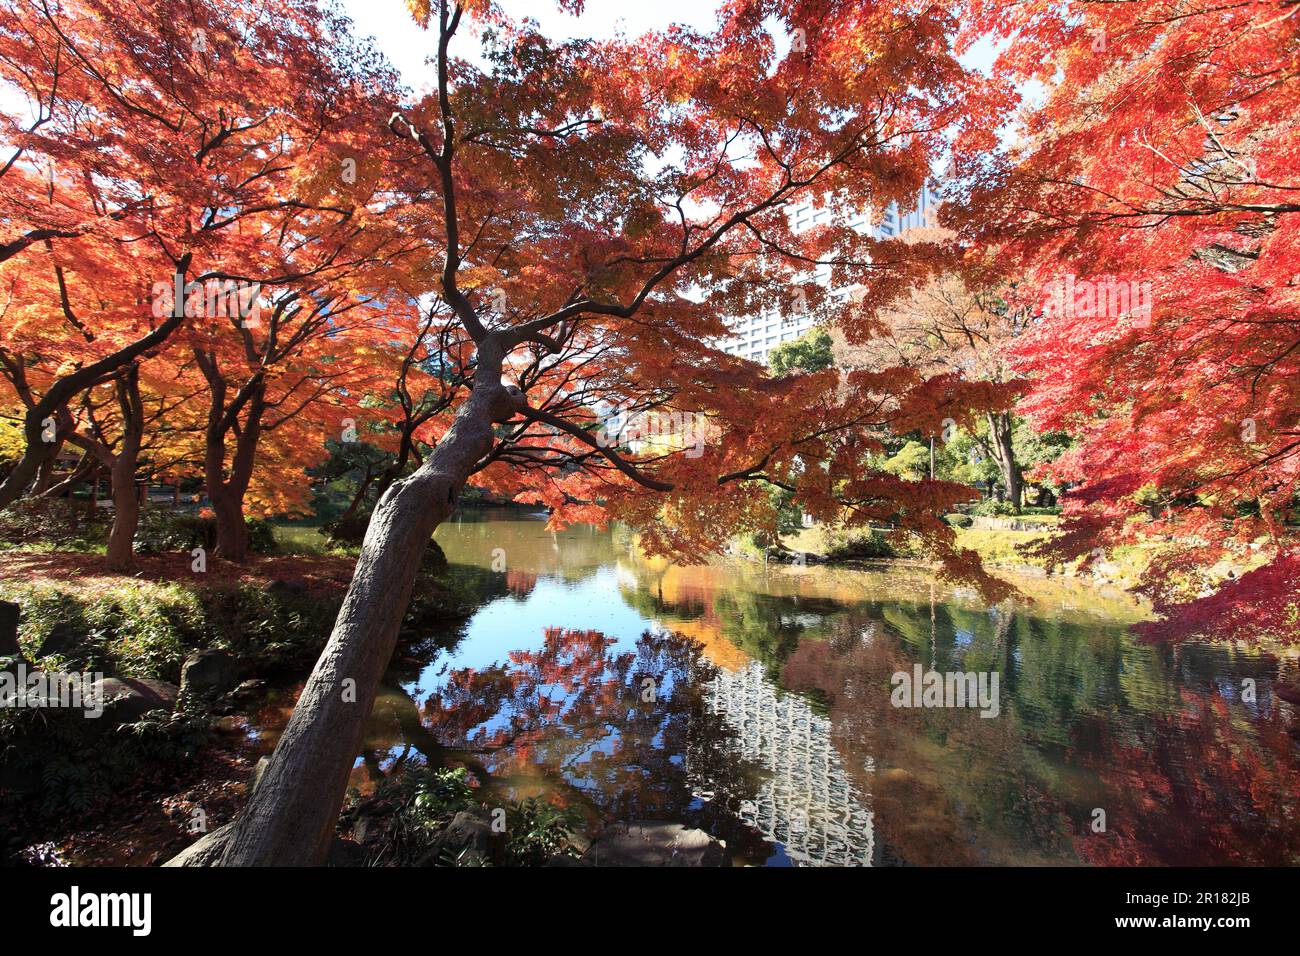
(1007, 549)
(142, 776)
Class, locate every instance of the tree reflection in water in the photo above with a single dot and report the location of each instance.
(620, 736)
(1089, 720)
(772, 705)
(1188, 790)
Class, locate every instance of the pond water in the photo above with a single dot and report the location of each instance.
(757, 703)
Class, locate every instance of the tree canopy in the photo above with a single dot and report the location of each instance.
(233, 246)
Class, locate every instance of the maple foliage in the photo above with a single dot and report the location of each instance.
(1148, 199)
(217, 147)
(519, 278)
(615, 203)
(607, 207)
(608, 204)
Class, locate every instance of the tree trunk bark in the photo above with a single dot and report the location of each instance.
(126, 518)
(291, 816)
(1001, 428)
(126, 496)
(45, 472)
(21, 475)
(232, 529)
(226, 492)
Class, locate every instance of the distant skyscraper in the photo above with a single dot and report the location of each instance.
(755, 336)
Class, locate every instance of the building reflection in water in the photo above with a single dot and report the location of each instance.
(807, 802)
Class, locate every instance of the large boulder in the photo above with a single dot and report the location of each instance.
(286, 588)
(127, 699)
(345, 853)
(209, 673)
(467, 840)
(655, 843)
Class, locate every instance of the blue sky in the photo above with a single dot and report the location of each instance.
(406, 45)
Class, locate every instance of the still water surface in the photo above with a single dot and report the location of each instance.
(756, 703)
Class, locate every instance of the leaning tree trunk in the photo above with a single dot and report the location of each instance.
(291, 816)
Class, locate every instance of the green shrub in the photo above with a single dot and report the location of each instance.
(54, 523)
(958, 520)
(136, 629)
(162, 530)
(261, 535)
(348, 531)
(992, 508)
(435, 794)
(414, 808)
(271, 629)
(858, 543)
(57, 762)
(537, 831)
(419, 804)
(145, 629)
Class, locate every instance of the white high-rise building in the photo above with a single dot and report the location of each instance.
(755, 336)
